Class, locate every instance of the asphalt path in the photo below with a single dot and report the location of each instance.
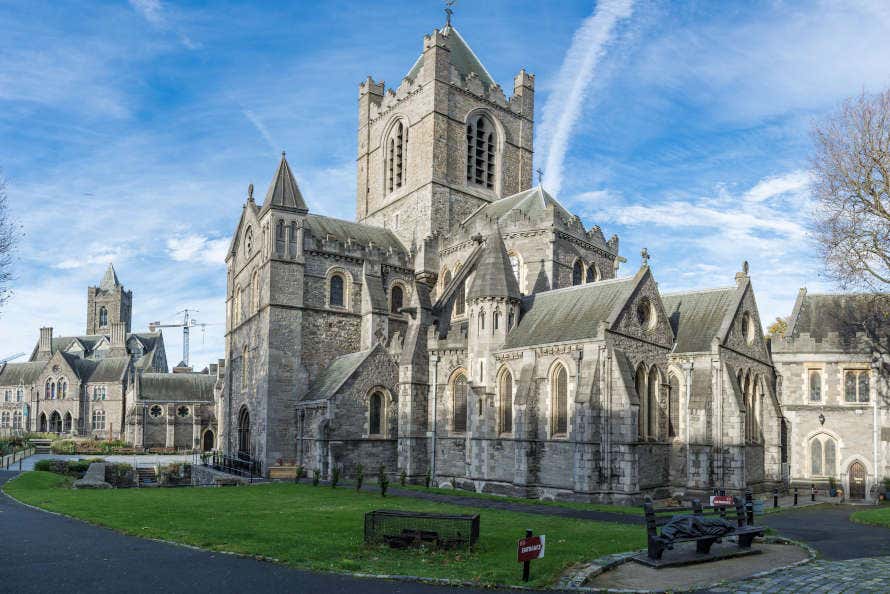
(830, 531)
(44, 552)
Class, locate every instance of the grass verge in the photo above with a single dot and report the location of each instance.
(320, 528)
(879, 516)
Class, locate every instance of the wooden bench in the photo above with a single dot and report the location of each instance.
(744, 533)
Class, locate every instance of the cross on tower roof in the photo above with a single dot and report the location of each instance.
(448, 11)
(644, 255)
(540, 173)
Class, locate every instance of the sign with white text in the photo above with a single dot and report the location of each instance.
(531, 548)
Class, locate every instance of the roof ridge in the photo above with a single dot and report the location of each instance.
(695, 291)
(599, 283)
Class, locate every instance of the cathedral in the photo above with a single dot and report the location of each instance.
(469, 329)
(110, 383)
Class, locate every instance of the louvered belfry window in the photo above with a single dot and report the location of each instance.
(397, 149)
(481, 152)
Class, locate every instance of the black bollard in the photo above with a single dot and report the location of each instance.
(813, 494)
(795, 495)
(749, 506)
(775, 498)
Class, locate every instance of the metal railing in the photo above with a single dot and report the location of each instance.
(242, 465)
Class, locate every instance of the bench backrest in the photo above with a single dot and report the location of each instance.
(657, 517)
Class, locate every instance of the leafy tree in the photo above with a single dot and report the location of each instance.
(851, 186)
(778, 328)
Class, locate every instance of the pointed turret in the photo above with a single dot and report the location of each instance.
(109, 281)
(494, 273)
(284, 191)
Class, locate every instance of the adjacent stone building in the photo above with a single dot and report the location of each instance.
(108, 383)
(471, 329)
(833, 366)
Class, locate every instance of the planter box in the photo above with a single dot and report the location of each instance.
(283, 472)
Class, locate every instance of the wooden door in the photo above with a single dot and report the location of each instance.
(857, 481)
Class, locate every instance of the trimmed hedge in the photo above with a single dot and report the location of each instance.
(73, 468)
(120, 475)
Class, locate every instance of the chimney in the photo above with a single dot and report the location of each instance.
(46, 341)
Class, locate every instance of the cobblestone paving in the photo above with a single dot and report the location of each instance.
(852, 575)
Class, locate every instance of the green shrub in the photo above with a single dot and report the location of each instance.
(301, 472)
(403, 478)
(427, 479)
(335, 477)
(316, 476)
(73, 468)
(177, 473)
(359, 477)
(382, 481)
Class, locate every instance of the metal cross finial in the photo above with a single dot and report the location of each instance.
(448, 11)
(645, 256)
(250, 192)
(540, 173)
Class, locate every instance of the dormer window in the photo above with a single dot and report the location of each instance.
(481, 143)
(396, 153)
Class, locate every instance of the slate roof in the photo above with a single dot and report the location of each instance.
(845, 314)
(697, 316)
(335, 375)
(533, 203)
(462, 58)
(14, 374)
(494, 274)
(149, 341)
(573, 313)
(321, 227)
(176, 387)
(284, 191)
(110, 369)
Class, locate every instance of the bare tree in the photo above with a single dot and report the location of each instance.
(9, 234)
(851, 185)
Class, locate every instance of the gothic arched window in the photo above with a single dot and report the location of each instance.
(292, 245)
(103, 316)
(279, 238)
(673, 406)
(640, 388)
(593, 273)
(652, 404)
(506, 401)
(375, 414)
(248, 242)
(17, 419)
(559, 390)
(396, 157)
(823, 456)
(481, 143)
(244, 367)
(481, 321)
(236, 306)
(255, 292)
(397, 299)
(459, 403)
(460, 300)
(815, 385)
(336, 291)
(577, 273)
(816, 457)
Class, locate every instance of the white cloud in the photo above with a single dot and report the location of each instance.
(94, 255)
(197, 248)
(796, 182)
(254, 119)
(150, 9)
(562, 109)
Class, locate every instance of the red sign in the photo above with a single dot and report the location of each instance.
(721, 500)
(531, 548)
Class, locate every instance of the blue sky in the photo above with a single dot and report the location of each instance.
(129, 131)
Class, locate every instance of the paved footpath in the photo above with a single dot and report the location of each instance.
(44, 552)
(853, 557)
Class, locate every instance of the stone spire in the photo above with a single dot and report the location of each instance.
(284, 191)
(494, 275)
(109, 281)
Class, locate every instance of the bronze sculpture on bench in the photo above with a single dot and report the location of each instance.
(704, 526)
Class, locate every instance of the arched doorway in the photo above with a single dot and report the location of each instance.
(55, 422)
(244, 433)
(207, 445)
(43, 422)
(857, 481)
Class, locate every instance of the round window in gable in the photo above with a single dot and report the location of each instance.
(155, 411)
(748, 330)
(645, 313)
(182, 411)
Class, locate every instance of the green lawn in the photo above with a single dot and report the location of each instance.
(635, 510)
(321, 528)
(874, 517)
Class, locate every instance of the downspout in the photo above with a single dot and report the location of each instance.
(873, 388)
(687, 372)
(433, 397)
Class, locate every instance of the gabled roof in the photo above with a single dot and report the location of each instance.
(573, 313)
(697, 316)
(322, 227)
(15, 374)
(494, 275)
(110, 369)
(284, 191)
(533, 203)
(176, 387)
(332, 377)
(846, 314)
(462, 58)
(109, 281)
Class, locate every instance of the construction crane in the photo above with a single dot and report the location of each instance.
(188, 322)
(11, 358)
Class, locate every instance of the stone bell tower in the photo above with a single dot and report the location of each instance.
(108, 304)
(443, 143)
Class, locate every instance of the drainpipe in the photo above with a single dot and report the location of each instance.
(873, 394)
(433, 397)
(687, 373)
